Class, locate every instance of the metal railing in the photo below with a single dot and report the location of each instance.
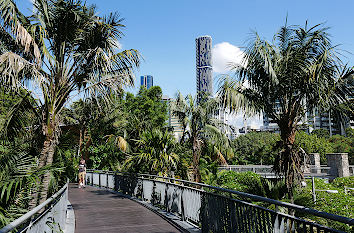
(214, 209)
(52, 219)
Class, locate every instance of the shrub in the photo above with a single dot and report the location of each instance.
(255, 148)
(340, 182)
(334, 203)
(314, 144)
(321, 133)
(248, 182)
(342, 144)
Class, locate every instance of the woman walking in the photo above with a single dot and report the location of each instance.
(82, 173)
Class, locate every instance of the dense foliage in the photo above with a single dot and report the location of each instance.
(202, 131)
(341, 203)
(255, 148)
(19, 151)
(62, 49)
(114, 131)
(343, 144)
(261, 147)
(155, 154)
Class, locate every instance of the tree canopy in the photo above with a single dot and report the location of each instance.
(299, 71)
(202, 128)
(63, 48)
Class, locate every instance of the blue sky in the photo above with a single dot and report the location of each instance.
(164, 31)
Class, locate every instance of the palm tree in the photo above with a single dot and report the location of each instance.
(63, 49)
(78, 117)
(81, 116)
(298, 73)
(200, 127)
(155, 153)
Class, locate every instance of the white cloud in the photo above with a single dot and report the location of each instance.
(223, 54)
(255, 122)
(238, 120)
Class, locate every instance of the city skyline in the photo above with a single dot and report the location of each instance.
(170, 28)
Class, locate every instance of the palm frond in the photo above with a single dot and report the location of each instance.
(17, 22)
(21, 117)
(236, 97)
(15, 68)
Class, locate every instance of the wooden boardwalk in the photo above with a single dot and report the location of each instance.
(98, 210)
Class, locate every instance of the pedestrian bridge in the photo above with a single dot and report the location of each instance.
(99, 210)
(116, 202)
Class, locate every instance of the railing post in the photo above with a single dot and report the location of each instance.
(183, 216)
(142, 189)
(152, 201)
(30, 223)
(313, 190)
(92, 178)
(166, 197)
(99, 179)
(107, 180)
(233, 224)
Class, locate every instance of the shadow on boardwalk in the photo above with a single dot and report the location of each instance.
(98, 210)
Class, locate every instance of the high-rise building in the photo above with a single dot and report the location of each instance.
(204, 68)
(173, 121)
(311, 121)
(350, 84)
(147, 81)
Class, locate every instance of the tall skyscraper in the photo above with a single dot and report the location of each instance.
(147, 81)
(204, 68)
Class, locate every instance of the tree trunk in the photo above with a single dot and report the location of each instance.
(46, 158)
(81, 140)
(88, 143)
(288, 162)
(196, 157)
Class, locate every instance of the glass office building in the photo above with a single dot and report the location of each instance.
(147, 81)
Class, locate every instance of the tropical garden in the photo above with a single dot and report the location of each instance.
(63, 98)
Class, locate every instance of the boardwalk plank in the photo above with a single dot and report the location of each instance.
(98, 210)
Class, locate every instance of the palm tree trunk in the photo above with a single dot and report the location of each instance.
(196, 157)
(81, 140)
(288, 162)
(39, 194)
(46, 158)
(88, 143)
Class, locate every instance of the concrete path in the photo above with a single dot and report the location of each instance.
(98, 210)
